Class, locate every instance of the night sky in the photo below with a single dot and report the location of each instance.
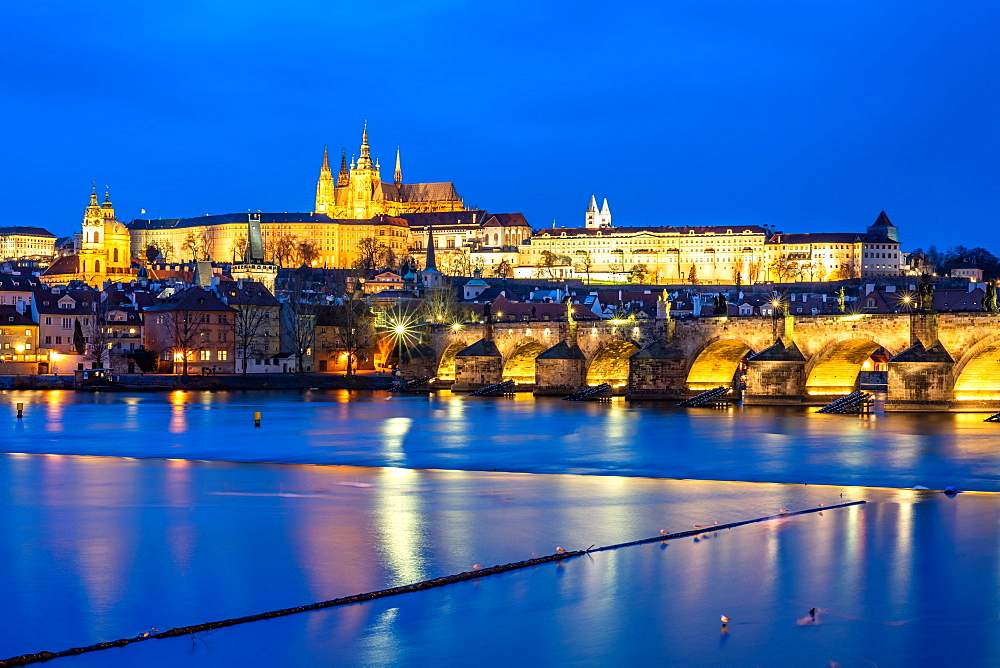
(803, 116)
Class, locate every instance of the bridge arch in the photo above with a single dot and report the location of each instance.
(520, 363)
(610, 363)
(977, 373)
(446, 367)
(715, 363)
(834, 368)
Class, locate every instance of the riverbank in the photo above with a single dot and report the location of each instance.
(168, 382)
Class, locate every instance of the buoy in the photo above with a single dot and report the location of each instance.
(20, 410)
(256, 419)
(725, 620)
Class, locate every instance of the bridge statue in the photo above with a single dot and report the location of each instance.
(925, 294)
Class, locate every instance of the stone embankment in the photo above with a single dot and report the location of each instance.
(166, 382)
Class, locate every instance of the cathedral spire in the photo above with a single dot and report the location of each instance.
(325, 169)
(344, 178)
(398, 178)
(93, 194)
(107, 199)
(365, 157)
(590, 217)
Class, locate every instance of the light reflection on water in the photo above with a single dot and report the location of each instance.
(537, 435)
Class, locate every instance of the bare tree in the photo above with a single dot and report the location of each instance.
(307, 251)
(585, 264)
(253, 306)
(183, 328)
(353, 330)
(639, 273)
(239, 247)
(191, 245)
(100, 335)
(754, 268)
(368, 251)
(299, 319)
(206, 245)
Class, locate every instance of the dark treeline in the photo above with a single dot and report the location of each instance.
(958, 256)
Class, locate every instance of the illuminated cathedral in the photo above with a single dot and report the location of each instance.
(359, 193)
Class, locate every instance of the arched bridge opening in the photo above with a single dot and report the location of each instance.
(717, 364)
(610, 363)
(834, 369)
(520, 365)
(446, 368)
(977, 378)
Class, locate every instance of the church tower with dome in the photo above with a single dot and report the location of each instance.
(101, 250)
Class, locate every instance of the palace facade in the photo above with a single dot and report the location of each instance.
(26, 243)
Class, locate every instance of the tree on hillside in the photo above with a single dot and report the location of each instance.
(584, 264)
(693, 275)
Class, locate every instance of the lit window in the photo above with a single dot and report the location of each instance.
(223, 355)
(205, 355)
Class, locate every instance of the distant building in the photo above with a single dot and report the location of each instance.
(707, 254)
(831, 256)
(26, 243)
(974, 274)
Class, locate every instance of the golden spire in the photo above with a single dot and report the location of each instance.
(107, 198)
(325, 169)
(93, 194)
(365, 158)
(398, 177)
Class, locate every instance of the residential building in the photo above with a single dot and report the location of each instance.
(256, 324)
(19, 352)
(191, 331)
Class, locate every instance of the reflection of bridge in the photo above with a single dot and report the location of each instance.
(937, 361)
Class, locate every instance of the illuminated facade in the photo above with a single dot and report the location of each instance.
(26, 243)
(101, 251)
(669, 254)
(359, 193)
(835, 256)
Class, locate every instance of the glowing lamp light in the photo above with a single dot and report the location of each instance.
(399, 329)
(19, 348)
(907, 300)
(455, 327)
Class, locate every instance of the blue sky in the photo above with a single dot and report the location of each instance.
(804, 116)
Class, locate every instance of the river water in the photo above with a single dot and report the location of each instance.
(113, 523)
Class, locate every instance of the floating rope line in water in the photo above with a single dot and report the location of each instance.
(38, 657)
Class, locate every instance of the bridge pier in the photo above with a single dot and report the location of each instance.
(560, 370)
(920, 380)
(477, 366)
(658, 371)
(776, 377)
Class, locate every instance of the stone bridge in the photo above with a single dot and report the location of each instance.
(937, 361)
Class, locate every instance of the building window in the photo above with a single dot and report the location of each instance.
(223, 355)
(205, 355)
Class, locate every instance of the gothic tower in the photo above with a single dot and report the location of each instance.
(398, 177)
(324, 187)
(365, 180)
(604, 219)
(344, 177)
(590, 217)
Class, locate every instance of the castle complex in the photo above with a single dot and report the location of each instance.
(355, 212)
(360, 193)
